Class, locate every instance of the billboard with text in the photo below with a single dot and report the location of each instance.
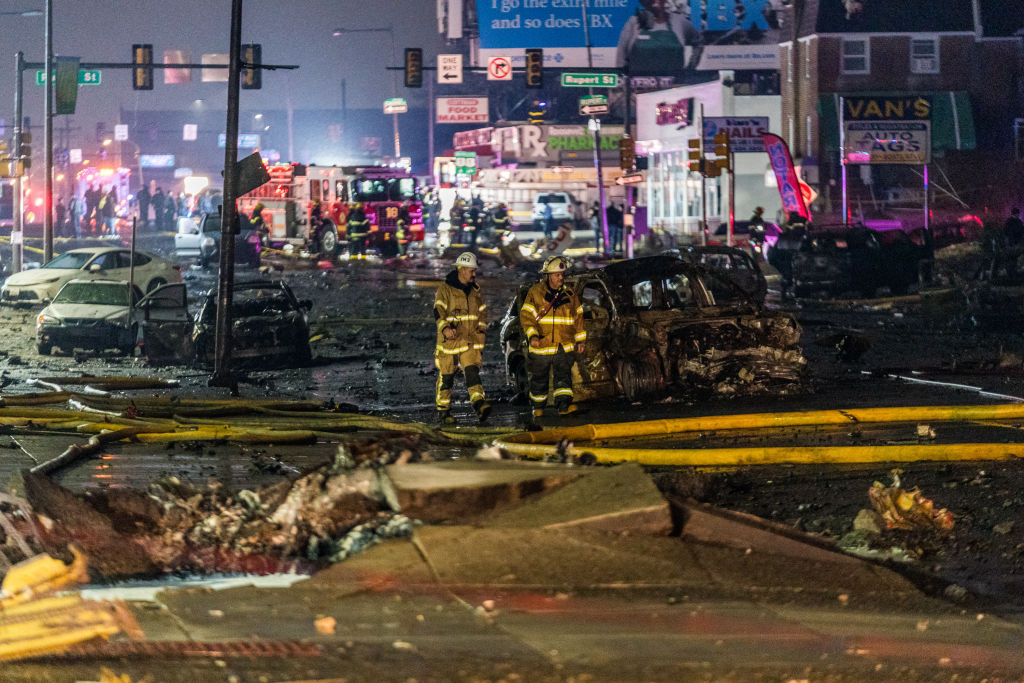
(648, 38)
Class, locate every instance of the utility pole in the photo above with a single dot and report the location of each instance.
(595, 125)
(17, 233)
(222, 376)
(48, 139)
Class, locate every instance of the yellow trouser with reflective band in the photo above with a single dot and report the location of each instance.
(447, 363)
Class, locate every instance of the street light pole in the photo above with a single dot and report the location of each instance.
(48, 139)
(17, 233)
(390, 30)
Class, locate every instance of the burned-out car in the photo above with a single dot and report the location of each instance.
(654, 327)
(733, 264)
(837, 259)
(269, 327)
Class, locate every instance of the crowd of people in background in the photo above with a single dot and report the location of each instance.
(98, 210)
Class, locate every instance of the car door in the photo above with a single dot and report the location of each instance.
(166, 325)
(592, 374)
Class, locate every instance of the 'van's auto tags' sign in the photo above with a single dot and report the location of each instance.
(887, 130)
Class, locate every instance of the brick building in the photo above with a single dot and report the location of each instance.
(966, 57)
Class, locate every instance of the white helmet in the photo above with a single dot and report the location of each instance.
(555, 264)
(467, 259)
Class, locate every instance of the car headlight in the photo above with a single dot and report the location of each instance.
(47, 319)
(208, 242)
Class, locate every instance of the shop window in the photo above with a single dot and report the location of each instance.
(924, 55)
(856, 56)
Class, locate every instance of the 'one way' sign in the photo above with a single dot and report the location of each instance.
(449, 68)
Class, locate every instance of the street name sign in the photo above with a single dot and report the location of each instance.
(395, 105)
(449, 69)
(85, 77)
(583, 80)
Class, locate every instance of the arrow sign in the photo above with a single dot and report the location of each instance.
(449, 69)
(593, 109)
(630, 179)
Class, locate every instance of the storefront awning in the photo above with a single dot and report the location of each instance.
(952, 120)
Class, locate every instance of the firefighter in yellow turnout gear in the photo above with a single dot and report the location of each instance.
(460, 314)
(552, 318)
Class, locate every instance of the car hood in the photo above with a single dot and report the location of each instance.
(38, 276)
(88, 311)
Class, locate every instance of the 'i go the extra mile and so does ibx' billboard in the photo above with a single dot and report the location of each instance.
(643, 38)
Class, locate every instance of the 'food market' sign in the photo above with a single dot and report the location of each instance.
(462, 110)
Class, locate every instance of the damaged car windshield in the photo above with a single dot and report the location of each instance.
(92, 293)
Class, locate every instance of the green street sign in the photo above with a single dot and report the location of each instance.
(571, 80)
(465, 163)
(85, 77)
(590, 100)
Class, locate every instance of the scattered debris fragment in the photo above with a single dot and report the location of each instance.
(907, 510)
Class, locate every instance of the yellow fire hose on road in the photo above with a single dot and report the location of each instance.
(546, 442)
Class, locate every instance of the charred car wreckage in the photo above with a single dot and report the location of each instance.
(268, 324)
(654, 326)
(838, 259)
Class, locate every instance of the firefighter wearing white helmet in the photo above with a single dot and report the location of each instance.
(460, 314)
(552, 318)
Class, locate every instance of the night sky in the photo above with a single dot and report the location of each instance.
(290, 31)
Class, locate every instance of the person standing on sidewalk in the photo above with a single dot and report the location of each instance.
(552, 317)
(460, 315)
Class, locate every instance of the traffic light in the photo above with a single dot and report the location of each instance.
(723, 153)
(696, 154)
(252, 75)
(627, 151)
(142, 73)
(25, 149)
(413, 67)
(534, 69)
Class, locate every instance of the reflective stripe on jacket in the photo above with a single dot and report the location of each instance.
(558, 324)
(463, 309)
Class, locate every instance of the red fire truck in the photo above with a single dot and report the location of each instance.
(288, 199)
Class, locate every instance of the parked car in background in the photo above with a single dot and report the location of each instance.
(654, 327)
(95, 315)
(40, 285)
(561, 204)
(201, 240)
(269, 326)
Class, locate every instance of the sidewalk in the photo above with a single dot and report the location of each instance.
(552, 572)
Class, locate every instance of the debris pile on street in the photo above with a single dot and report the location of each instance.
(323, 515)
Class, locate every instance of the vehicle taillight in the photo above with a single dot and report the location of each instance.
(177, 268)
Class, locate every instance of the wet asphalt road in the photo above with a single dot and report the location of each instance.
(376, 337)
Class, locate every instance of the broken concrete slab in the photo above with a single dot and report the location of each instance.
(563, 559)
(443, 492)
(709, 524)
(621, 498)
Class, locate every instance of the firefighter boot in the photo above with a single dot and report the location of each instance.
(566, 407)
(444, 417)
(483, 409)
